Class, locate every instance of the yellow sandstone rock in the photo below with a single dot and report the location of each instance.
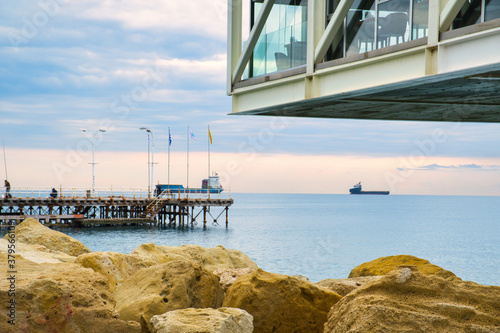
(345, 286)
(228, 276)
(210, 258)
(30, 231)
(62, 297)
(36, 253)
(116, 267)
(281, 303)
(166, 287)
(405, 300)
(384, 265)
(221, 320)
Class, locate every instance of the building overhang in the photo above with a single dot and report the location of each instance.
(451, 75)
(471, 95)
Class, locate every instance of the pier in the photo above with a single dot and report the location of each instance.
(82, 209)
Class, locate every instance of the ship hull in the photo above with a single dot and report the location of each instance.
(372, 192)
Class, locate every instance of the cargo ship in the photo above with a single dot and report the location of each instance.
(357, 189)
(210, 185)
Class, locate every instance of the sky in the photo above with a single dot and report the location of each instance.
(121, 65)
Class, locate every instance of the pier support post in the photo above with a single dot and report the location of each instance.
(204, 217)
(181, 211)
(227, 216)
(193, 219)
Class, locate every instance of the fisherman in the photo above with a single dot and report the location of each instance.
(7, 189)
(53, 194)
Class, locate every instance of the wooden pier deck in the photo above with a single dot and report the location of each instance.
(114, 210)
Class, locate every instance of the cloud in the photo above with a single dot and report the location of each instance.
(470, 166)
(203, 18)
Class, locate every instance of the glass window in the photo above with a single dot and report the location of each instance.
(360, 27)
(420, 19)
(477, 11)
(393, 22)
(469, 14)
(375, 24)
(492, 10)
(283, 42)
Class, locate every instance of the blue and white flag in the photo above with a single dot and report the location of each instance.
(191, 135)
(169, 138)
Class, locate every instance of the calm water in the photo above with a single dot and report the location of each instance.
(325, 236)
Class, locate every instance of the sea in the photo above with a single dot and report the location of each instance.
(323, 236)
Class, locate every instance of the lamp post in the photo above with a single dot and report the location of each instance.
(150, 164)
(93, 133)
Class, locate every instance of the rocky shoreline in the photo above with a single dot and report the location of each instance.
(56, 284)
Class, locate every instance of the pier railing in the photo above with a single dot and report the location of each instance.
(62, 192)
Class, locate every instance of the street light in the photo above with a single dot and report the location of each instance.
(93, 134)
(150, 164)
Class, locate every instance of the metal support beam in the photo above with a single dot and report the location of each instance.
(332, 30)
(234, 30)
(449, 13)
(252, 40)
(316, 15)
(432, 49)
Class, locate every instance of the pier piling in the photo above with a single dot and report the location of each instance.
(106, 211)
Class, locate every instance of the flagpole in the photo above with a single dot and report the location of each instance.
(187, 168)
(208, 141)
(168, 172)
(4, 159)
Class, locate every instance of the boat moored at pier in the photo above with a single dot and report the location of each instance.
(211, 185)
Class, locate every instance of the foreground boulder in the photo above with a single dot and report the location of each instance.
(228, 276)
(166, 287)
(62, 297)
(36, 253)
(210, 258)
(384, 265)
(345, 286)
(222, 320)
(280, 303)
(30, 231)
(116, 267)
(405, 300)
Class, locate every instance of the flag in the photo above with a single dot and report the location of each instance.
(210, 135)
(169, 138)
(191, 135)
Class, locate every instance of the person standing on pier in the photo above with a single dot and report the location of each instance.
(7, 189)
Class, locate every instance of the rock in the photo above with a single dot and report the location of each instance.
(116, 267)
(227, 276)
(37, 253)
(63, 297)
(166, 287)
(222, 320)
(345, 286)
(30, 231)
(301, 277)
(210, 258)
(384, 265)
(405, 300)
(280, 303)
